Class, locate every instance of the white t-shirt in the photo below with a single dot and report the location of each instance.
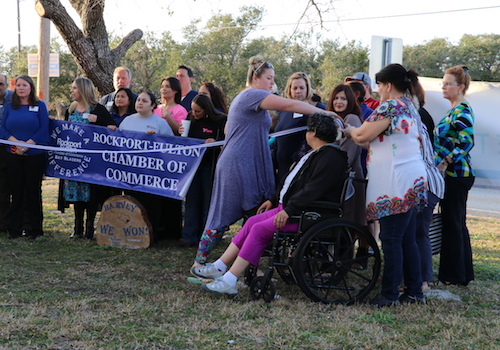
(291, 174)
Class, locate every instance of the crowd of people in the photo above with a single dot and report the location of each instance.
(410, 164)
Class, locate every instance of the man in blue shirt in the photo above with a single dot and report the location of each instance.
(5, 97)
(185, 76)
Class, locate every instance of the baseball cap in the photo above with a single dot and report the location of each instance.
(365, 78)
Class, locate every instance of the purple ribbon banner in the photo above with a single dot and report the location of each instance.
(162, 165)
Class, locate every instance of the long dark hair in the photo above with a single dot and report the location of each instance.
(217, 95)
(206, 104)
(131, 99)
(32, 98)
(404, 81)
(352, 106)
(175, 85)
(359, 90)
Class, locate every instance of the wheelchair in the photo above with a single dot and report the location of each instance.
(321, 257)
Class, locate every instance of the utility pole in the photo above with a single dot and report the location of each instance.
(44, 60)
(18, 28)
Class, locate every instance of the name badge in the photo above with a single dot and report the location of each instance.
(33, 108)
(297, 115)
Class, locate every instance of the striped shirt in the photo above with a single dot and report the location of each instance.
(454, 137)
(435, 180)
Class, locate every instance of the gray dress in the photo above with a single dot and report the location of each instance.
(244, 175)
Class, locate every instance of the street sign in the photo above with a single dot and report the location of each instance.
(53, 65)
(384, 51)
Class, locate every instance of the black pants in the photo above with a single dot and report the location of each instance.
(25, 177)
(455, 264)
(4, 191)
(165, 214)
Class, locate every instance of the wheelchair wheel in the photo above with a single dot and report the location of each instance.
(325, 266)
(285, 274)
(250, 274)
(262, 288)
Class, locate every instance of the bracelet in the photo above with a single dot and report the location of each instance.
(446, 160)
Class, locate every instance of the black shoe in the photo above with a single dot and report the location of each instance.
(187, 245)
(381, 301)
(89, 232)
(406, 298)
(14, 236)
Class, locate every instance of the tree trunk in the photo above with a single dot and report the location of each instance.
(89, 46)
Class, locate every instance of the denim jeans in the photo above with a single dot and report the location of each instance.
(397, 233)
(424, 219)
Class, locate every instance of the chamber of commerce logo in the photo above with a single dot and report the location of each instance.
(65, 163)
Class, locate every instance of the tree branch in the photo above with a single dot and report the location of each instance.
(126, 43)
(89, 46)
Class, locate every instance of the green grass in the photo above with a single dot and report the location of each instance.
(58, 293)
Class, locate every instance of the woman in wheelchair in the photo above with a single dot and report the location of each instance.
(318, 176)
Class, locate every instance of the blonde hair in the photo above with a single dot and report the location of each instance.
(296, 76)
(256, 67)
(87, 92)
(461, 74)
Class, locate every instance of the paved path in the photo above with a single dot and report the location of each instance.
(484, 202)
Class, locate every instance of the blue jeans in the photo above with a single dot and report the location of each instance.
(397, 233)
(424, 219)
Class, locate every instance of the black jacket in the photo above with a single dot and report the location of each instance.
(320, 179)
(104, 118)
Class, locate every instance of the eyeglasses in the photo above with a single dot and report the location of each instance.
(2, 84)
(449, 84)
(263, 64)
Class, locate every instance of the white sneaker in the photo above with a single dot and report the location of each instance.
(219, 286)
(206, 271)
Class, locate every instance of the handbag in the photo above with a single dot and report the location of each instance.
(436, 232)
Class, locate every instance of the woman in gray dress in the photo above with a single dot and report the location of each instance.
(244, 175)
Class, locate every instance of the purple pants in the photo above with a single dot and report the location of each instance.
(257, 233)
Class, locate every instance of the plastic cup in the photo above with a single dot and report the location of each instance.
(186, 124)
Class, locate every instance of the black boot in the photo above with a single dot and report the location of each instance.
(79, 210)
(89, 224)
(89, 229)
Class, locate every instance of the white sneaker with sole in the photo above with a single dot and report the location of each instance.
(218, 286)
(206, 271)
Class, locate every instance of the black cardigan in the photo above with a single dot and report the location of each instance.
(103, 116)
(320, 179)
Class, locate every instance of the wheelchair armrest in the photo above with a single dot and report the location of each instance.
(324, 205)
(359, 179)
(294, 218)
